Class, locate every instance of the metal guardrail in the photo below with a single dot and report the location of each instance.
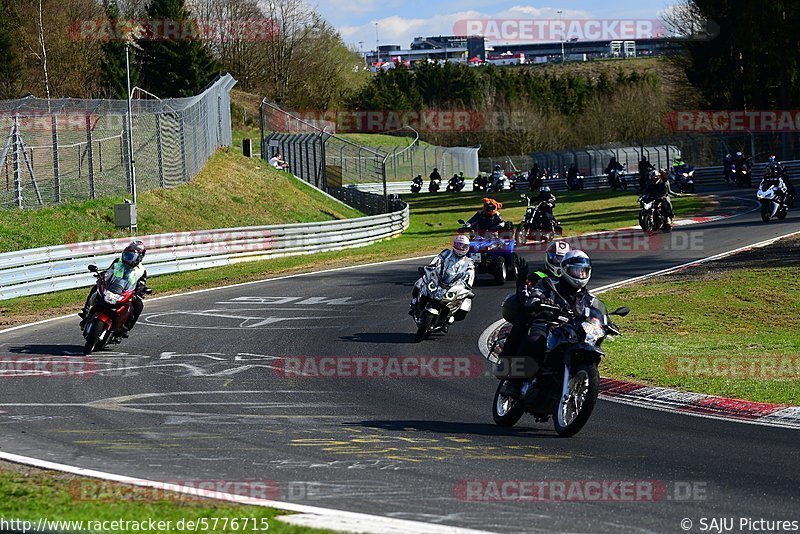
(56, 268)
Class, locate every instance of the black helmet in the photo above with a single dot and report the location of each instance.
(134, 253)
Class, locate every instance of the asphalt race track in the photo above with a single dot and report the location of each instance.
(197, 394)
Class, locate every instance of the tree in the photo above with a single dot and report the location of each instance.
(9, 66)
(173, 64)
(114, 77)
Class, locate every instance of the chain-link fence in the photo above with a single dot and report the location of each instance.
(701, 150)
(68, 149)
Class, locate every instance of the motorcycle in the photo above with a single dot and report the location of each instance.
(535, 223)
(416, 184)
(744, 177)
(494, 183)
(772, 203)
(439, 304)
(575, 183)
(566, 385)
(616, 179)
(106, 322)
(684, 181)
(434, 185)
(492, 253)
(517, 179)
(455, 184)
(651, 215)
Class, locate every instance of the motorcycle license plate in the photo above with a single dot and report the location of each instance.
(476, 257)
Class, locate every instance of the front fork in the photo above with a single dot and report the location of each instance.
(565, 382)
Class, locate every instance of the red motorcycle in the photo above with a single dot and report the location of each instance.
(106, 322)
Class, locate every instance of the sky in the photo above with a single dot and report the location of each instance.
(399, 21)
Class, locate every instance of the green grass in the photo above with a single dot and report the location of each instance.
(681, 327)
(31, 494)
(246, 132)
(433, 220)
(230, 191)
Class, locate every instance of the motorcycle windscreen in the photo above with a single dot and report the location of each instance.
(116, 284)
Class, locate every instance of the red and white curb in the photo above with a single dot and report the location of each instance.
(697, 404)
(675, 401)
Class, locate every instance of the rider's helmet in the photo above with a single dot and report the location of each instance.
(544, 189)
(576, 268)
(461, 245)
(727, 157)
(497, 168)
(678, 161)
(739, 154)
(772, 162)
(134, 253)
(555, 253)
(490, 206)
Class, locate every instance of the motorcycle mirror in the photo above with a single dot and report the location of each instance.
(622, 312)
(93, 268)
(461, 221)
(148, 291)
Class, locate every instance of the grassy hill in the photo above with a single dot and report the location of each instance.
(230, 191)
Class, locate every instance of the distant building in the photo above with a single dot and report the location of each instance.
(506, 58)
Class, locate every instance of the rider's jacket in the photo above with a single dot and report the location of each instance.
(451, 269)
(481, 221)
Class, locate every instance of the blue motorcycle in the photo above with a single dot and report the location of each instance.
(492, 251)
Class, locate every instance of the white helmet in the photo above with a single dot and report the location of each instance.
(544, 189)
(576, 268)
(461, 245)
(553, 256)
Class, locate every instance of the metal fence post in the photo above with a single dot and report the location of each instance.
(90, 155)
(56, 169)
(16, 167)
(125, 153)
(160, 152)
(184, 175)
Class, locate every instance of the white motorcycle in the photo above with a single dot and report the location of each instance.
(438, 304)
(772, 203)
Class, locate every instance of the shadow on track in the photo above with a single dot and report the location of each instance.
(380, 337)
(452, 427)
(48, 350)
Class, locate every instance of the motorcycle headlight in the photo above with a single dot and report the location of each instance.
(594, 330)
(111, 298)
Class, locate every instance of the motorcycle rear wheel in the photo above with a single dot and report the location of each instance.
(572, 414)
(506, 411)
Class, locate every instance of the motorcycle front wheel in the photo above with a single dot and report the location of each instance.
(506, 411)
(572, 413)
(96, 327)
(766, 211)
(425, 324)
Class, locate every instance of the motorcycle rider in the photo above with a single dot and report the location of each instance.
(128, 266)
(614, 166)
(775, 167)
(549, 201)
(644, 172)
(455, 181)
(572, 177)
(417, 183)
(659, 188)
(453, 265)
(488, 217)
(773, 177)
(727, 165)
(678, 168)
(497, 175)
(567, 292)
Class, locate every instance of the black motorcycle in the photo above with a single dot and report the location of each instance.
(455, 184)
(651, 214)
(743, 174)
(416, 184)
(434, 185)
(567, 383)
(535, 224)
(616, 179)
